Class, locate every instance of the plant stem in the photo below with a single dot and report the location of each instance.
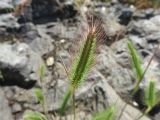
(139, 81)
(145, 113)
(66, 98)
(44, 102)
(74, 106)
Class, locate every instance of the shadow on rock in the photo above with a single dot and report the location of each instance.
(12, 77)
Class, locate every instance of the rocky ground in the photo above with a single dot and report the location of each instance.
(47, 29)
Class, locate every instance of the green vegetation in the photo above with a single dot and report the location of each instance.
(39, 93)
(34, 116)
(136, 64)
(82, 65)
(108, 114)
(151, 96)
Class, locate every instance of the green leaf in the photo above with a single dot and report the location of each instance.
(65, 100)
(109, 114)
(151, 95)
(34, 116)
(39, 95)
(136, 61)
(42, 72)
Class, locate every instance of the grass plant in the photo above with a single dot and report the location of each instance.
(151, 98)
(82, 64)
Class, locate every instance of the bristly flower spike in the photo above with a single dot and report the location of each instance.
(83, 62)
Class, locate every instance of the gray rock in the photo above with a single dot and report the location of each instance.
(156, 20)
(58, 31)
(120, 50)
(8, 21)
(138, 41)
(8, 25)
(147, 26)
(19, 65)
(119, 77)
(16, 108)
(5, 111)
(37, 39)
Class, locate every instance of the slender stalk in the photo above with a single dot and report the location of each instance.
(65, 100)
(44, 101)
(74, 106)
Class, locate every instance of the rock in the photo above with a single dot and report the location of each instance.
(5, 7)
(125, 16)
(59, 31)
(8, 25)
(144, 14)
(156, 20)
(36, 38)
(120, 51)
(119, 77)
(19, 65)
(8, 20)
(5, 111)
(138, 41)
(50, 61)
(55, 9)
(113, 30)
(147, 26)
(36, 11)
(16, 108)
(153, 38)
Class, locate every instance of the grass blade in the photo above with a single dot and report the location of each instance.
(34, 116)
(109, 114)
(136, 61)
(39, 95)
(151, 94)
(65, 100)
